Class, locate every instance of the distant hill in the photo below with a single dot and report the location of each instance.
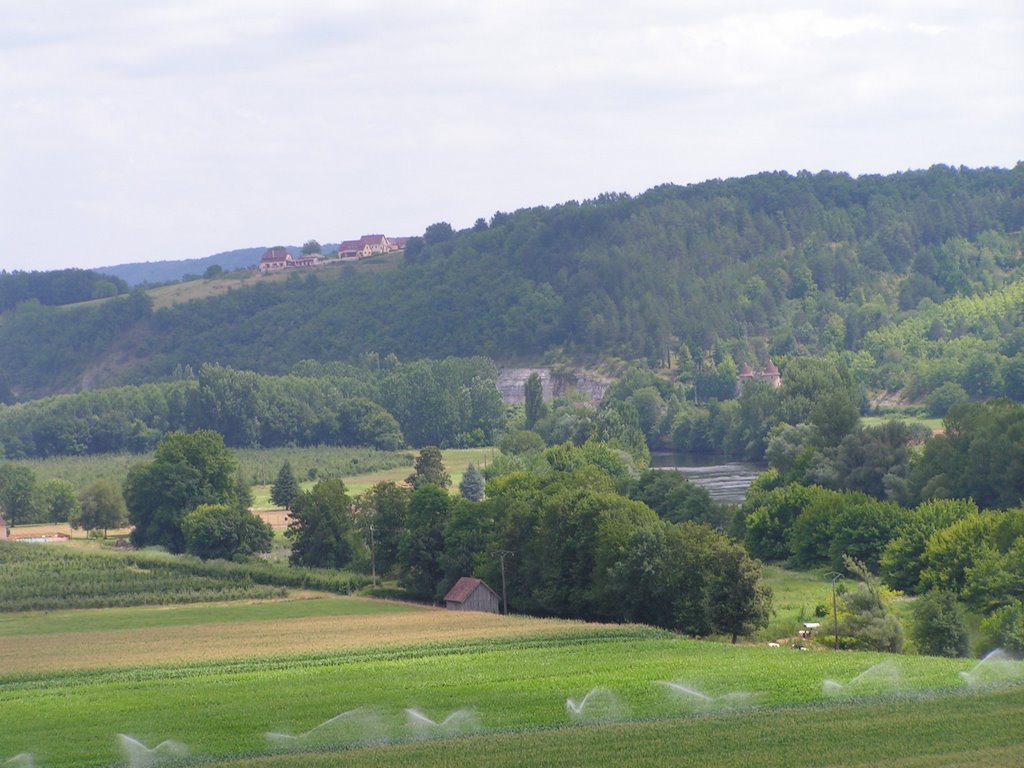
(692, 277)
(156, 272)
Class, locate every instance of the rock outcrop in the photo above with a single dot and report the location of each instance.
(512, 383)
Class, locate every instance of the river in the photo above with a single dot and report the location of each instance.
(726, 482)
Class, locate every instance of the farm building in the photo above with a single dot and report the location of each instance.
(470, 594)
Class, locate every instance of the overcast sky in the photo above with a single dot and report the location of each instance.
(175, 129)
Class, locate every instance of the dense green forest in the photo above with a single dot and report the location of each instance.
(451, 402)
(56, 288)
(772, 264)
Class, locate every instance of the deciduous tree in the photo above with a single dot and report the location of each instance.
(187, 470)
(101, 507)
(224, 531)
(321, 529)
(429, 469)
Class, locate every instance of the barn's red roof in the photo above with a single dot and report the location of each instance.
(463, 588)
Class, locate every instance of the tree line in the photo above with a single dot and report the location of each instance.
(57, 287)
(576, 541)
(452, 402)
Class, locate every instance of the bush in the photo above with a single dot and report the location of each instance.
(944, 397)
(939, 627)
(1004, 629)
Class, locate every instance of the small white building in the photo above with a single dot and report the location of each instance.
(471, 594)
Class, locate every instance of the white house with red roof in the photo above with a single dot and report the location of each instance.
(367, 245)
(278, 258)
(274, 259)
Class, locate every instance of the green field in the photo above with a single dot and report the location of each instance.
(112, 619)
(54, 576)
(661, 685)
(257, 465)
(455, 461)
(929, 422)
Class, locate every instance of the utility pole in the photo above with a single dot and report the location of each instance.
(834, 576)
(373, 559)
(503, 553)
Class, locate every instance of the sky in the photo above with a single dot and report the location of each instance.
(140, 130)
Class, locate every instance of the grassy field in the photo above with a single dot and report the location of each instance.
(205, 288)
(341, 673)
(455, 461)
(795, 596)
(256, 465)
(873, 421)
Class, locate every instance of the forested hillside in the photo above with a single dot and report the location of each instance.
(769, 264)
(56, 288)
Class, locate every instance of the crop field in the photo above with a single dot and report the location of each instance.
(566, 693)
(257, 465)
(55, 576)
(44, 643)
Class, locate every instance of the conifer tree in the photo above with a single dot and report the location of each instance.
(472, 485)
(534, 399)
(286, 488)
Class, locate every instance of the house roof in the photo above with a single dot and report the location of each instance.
(277, 253)
(372, 239)
(349, 245)
(465, 587)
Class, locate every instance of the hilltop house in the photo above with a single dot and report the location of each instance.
(367, 245)
(770, 374)
(471, 594)
(278, 258)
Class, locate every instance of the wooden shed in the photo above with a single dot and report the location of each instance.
(471, 594)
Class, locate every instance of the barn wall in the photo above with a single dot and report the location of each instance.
(482, 600)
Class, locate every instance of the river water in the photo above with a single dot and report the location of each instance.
(726, 482)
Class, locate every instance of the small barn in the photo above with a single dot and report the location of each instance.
(471, 594)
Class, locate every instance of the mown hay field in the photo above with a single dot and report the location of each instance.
(501, 691)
